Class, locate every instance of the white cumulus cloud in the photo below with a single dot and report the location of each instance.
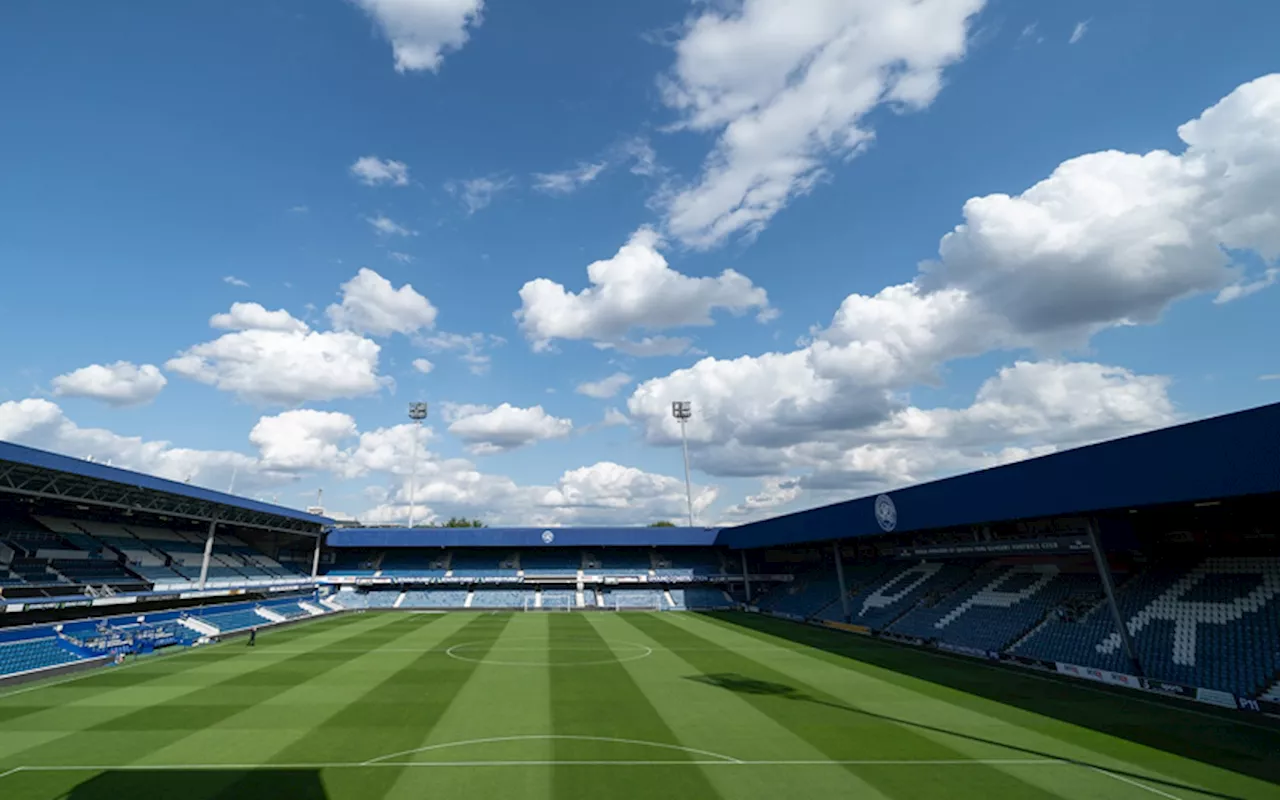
(271, 357)
(370, 304)
(1109, 239)
(253, 316)
(605, 387)
(787, 86)
(607, 485)
(422, 31)
(40, 423)
(633, 290)
(371, 171)
(496, 430)
(119, 384)
(303, 439)
(423, 365)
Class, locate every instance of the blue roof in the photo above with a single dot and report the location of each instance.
(522, 537)
(42, 459)
(1218, 458)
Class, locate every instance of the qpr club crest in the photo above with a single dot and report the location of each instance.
(886, 513)
(548, 537)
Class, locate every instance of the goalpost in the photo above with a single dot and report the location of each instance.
(549, 604)
(651, 604)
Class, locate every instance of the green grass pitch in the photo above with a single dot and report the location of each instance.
(605, 705)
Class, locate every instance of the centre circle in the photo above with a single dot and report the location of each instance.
(526, 652)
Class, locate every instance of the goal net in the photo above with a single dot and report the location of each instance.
(637, 601)
(553, 603)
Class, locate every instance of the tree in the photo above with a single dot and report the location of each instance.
(462, 522)
(662, 523)
(454, 522)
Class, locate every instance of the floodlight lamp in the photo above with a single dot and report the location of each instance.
(682, 409)
(417, 411)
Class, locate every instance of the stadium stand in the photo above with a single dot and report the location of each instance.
(475, 564)
(559, 598)
(617, 560)
(681, 564)
(1214, 624)
(381, 599)
(501, 598)
(228, 621)
(550, 562)
(809, 594)
(356, 563)
(702, 598)
(434, 598)
(25, 656)
(634, 598)
(996, 606)
(413, 563)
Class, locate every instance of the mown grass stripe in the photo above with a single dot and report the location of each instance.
(299, 703)
(1161, 742)
(838, 730)
(721, 722)
(152, 724)
(398, 713)
(602, 700)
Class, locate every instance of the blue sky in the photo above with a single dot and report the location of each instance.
(763, 190)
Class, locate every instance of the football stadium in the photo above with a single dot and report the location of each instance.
(1101, 622)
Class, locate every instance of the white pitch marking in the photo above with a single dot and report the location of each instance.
(543, 763)
(1132, 782)
(554, 736)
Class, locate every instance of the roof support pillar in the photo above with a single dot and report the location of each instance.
(844, 589)
(315, 560)
(208, 552)
(746, 576)
(1104, 572)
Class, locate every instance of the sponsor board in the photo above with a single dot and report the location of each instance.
(845, 626)
(966, 651)
(1100, 675)
(785, 615)
(1211, 697)
(1026, 661)
(116, 601)
(1173, 689)
(1216, 698)
(897, 637)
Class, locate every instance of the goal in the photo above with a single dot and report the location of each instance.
(637, 601)
(549, 604)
